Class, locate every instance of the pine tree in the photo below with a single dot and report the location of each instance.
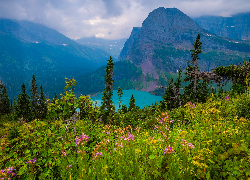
(42, 104)
(132, 104)
(55, 98)
(169, 96)
(34, 98)
(107, 107)
(195, 90)
(120, 96)
(23, 109)
(4, 100)
(178, 98)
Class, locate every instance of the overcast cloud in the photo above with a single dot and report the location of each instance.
(109, 19)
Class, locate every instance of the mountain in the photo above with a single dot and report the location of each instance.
(112, 47)
(235, 27)
(163, 44)
(28, 48)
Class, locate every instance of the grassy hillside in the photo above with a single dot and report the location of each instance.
(195, 141)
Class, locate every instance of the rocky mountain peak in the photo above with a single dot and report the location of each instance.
(169, 19)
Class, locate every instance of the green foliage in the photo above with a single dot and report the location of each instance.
(236, 73)
(87, 111)
(192, 142)
(64, 107)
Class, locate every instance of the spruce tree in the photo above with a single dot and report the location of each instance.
(107, 107)
(34, 98)
(23, 109)
(4, 100)
(195, 90)
(132, 104)
(42, 104)
(120, 96)
(177, 84)
(169, 96)
(55, 98)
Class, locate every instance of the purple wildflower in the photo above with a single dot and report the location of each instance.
(171, 120)
(83, 138)
(190, 145)
(227, 98)
(168, 150)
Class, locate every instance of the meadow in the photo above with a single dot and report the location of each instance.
(208, 140)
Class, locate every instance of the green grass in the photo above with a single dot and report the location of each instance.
(196, 141)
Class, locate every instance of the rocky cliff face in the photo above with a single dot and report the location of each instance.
(129, 43)
(164, 42)
(236, 27)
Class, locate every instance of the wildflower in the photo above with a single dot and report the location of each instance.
(190, 145)
(130, 137)
(106, 167)
(227, 98)
(68, 166)
(64, 153)
(30, 161)
(171, 121)
(83, 138)
(156, 127)
(193, 106)
(168, 150)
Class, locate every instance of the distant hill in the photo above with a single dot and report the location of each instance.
(235, 27)
(163, 44)
(28, 48)
(112, 47)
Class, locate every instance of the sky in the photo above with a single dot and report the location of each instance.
(108, 19)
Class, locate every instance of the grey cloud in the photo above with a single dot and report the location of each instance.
(111, 19)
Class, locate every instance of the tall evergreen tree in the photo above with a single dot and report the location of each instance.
(4, 100)
(120, 96)
(107, 107)
(169, 96)
(23, 109)
(42, 104)
(177, 84)
(196, 90)
(132, 104)
(34, 98)
(55, 98)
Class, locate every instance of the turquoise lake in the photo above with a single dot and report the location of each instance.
(142, 98)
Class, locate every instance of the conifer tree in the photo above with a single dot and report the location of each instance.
(42, 104)
(169, 96)
(55, 98)
(132, 104)
(177, 84)
(4, 100)
(120, 96)
(23, 108)
(107, 107)
(195, 90)
(34, 98)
